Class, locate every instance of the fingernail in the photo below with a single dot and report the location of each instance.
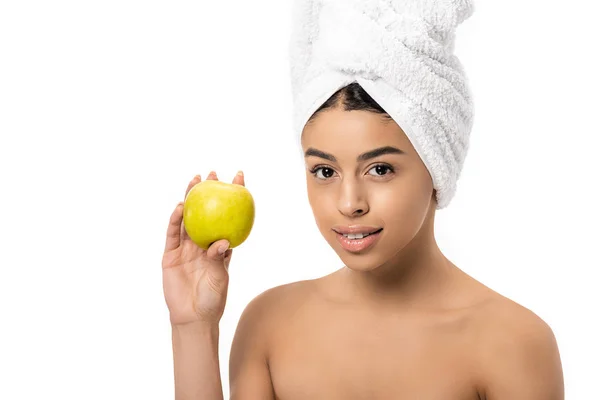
(240, 173)
(223, 248)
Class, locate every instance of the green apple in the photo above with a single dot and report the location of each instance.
(215, 210)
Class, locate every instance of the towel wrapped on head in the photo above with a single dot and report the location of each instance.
(401, 53)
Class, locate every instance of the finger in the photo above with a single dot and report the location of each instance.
(239, 179)
(212, 176)
(217, 249)
(173, 231)
(227, 258)
(183, 235)
(192, 183)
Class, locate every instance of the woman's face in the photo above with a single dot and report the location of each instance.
(362, 172)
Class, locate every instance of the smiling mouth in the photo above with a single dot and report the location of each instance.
(360, 235)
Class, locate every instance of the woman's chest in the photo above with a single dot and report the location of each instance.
(353, 358)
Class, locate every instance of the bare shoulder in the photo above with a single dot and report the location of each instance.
(517, 352)
(265, 311)
(249, 370)
(280, 298)
(499, 316)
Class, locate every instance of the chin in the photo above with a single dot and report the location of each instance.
(360, 262)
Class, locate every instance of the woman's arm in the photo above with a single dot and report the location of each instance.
(196, 357)
(249, 375)
(196, 361)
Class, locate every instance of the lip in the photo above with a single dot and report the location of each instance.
(346, 229)
(357, 245)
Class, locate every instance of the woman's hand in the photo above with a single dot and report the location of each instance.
(195, 281)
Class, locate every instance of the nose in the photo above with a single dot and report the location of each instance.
(352, 200)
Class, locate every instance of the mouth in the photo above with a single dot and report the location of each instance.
(358, 242)
(355, 236)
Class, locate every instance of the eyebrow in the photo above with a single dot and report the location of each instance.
(363, 157)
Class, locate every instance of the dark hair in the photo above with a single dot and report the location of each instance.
(352, 97)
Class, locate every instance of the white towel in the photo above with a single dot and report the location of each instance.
(401, 53)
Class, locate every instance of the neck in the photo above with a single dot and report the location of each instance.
(418, 276)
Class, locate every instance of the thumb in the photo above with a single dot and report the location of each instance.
(217, 250)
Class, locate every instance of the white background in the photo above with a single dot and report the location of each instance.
(108, 109)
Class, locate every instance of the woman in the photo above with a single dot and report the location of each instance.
(399, 320)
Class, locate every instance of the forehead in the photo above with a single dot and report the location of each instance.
(337, 131)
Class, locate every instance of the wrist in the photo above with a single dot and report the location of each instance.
(196, 327)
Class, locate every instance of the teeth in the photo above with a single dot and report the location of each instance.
(356, 235)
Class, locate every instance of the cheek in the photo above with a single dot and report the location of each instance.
(402, 207)
(313, 195)
(320, 201)
(316, 199)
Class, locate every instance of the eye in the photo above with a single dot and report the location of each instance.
(381, 169)
(322, 172)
